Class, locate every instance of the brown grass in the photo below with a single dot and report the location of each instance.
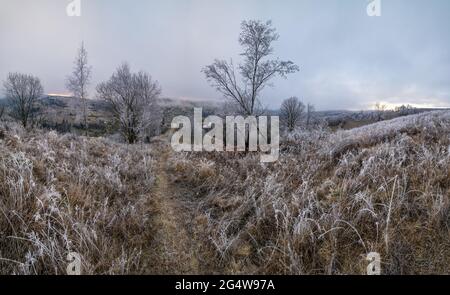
(330, 200)
(319, 211)
(61, 194)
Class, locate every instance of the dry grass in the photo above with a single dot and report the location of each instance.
(330, 200)
(60, 194)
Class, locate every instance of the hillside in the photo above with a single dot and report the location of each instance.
(63, 114)
(329, 200)
(353, 119)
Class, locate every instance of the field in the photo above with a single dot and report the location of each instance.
(331, 198)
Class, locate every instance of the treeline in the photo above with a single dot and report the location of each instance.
(132, 96)
(131, 99)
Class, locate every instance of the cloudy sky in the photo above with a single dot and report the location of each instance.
(348, 60)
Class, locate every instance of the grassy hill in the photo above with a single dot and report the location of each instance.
(331, 198)
(64, 114)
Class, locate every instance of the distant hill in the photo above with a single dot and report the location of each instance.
(352, 119)
(64, 114)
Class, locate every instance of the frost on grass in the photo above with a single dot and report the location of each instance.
(61, 194)
(330, 200)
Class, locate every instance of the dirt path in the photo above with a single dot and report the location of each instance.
(174, 249)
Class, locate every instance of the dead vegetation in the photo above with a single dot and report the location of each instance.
(61, 194)
(330, 200)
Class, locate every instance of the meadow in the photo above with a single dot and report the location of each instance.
(330, 199)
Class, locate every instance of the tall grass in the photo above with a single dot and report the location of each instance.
(330, 200)
(61, 194)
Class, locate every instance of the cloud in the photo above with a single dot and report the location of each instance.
(348, 60)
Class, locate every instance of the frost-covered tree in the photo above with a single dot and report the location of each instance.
(79, 80)
(291, 112)
(22, 91)
(256, 71)
(132, 97)
(380, 110)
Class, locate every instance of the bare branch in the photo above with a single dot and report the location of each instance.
(133, 100)
(22, 91)
(291, 112)
(80, 79)
(256, 38)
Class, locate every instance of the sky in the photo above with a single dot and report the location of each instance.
(347, 59)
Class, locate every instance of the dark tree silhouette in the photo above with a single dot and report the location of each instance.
(22, 91)
(291, 112)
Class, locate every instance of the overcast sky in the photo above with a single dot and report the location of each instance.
(347, 59)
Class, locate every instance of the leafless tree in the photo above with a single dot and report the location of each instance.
(22, 91)
(380, 110)
(291, 112)
(404, 110)
(256, 70)
(380, 107)
(79, 80)
(132, 97)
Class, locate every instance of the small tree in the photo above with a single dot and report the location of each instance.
(132, 98)
(291, 112)
(78, 82)
(404, 110)
(22, 91)
(380, 109)
(256, 39)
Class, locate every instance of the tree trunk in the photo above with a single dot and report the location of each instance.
(85, 117)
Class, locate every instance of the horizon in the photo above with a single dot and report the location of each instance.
(159, 138)
(218, 102)
(348, 60)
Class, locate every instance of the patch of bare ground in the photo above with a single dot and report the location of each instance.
(173, 245)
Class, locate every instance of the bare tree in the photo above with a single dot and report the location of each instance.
(291, 112)
(78, 82)
(132, 98)
(256, 39)
(380, 109)
(22, 91)
(404, 110)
